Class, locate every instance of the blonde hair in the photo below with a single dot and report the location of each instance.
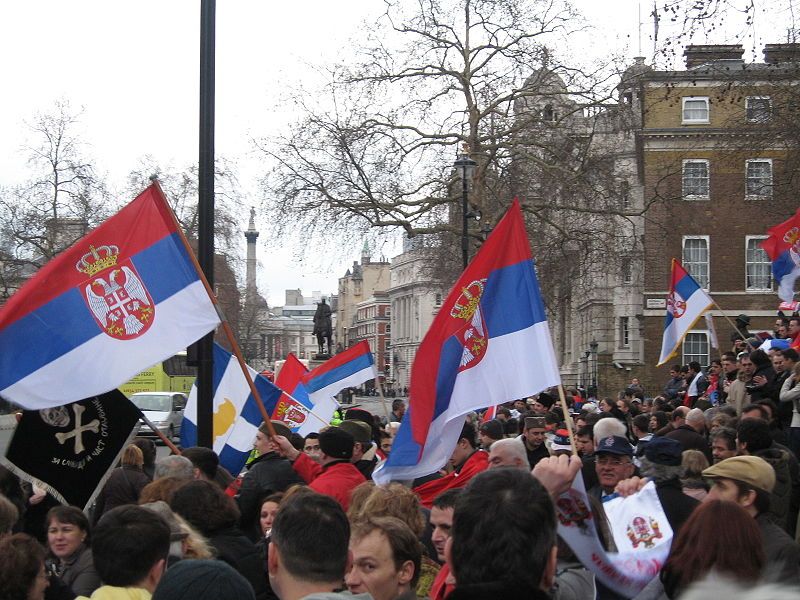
(693, 462)
(132, 456)
(393, 500)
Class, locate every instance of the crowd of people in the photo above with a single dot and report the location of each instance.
(305, 520)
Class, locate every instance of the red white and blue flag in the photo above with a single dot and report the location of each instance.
(121, 299)
(686, 303)
(294, 406)
(488, 344)
(783, 248)
(490, 414)
(349, 368)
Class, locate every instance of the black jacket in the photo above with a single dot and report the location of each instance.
(235, 549)
(267, 474)
(783, 553)
(677, 505)
(497, 590)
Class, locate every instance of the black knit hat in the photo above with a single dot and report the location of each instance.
(336, 443)
(203, 580)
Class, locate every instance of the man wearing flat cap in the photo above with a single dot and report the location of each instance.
(748, 481)
(269, 473)
(533, 438)
(364, 451)
(334, 475)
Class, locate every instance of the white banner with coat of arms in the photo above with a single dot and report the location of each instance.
(638, 525)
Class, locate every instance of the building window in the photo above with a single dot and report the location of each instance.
(758, 108)
(759, 178)
(625, 192)
(758, 275)
(695, 258)
(695, 179)
(695, 109)
(438, 299)
(627, 270)
(695, 347)
(624, 332)
(548, 114)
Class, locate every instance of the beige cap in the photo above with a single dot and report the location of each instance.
(752, 470)
(360, 431)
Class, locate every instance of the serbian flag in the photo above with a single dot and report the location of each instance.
(349, 368)
(490, 414)
(294, 404)
(236, 413)
(488, 344)
(783, 248)
(121, 299)
(686, 303)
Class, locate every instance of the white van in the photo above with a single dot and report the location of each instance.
(164, 409)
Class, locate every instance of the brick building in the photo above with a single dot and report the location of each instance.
(372, 324)
(714, 175)
(359, 283)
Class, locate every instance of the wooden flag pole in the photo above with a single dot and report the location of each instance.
(160, 434)
(729, 321)
(567, 418)
(225, 326)
(379, 387)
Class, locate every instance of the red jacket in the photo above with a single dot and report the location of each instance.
(427, 492)
(336, 480)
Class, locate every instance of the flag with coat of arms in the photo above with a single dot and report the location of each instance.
(783, 248)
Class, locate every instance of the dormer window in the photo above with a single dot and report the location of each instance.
(548, 114)
(695, 109)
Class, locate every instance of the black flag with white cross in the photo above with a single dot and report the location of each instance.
(70, 450)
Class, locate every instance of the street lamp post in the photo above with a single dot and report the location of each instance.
(593, 349)
(465, 167)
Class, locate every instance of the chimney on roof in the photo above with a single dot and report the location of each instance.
(779, 53)
(700, 54)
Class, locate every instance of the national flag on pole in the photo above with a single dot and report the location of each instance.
(783, 248)
(490, 414)
(119, 300)
(488, 344)
(686, 303)
(70, 450)
(294, 404)
(236, 414)
(349, 368)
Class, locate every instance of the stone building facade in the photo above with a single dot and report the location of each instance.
(359, 283)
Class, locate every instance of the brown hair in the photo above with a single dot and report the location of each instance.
(132, 456)
(161, 489)
(21, 559)
(9, 515)
(393, 500)
(403, 542)
(71, 515)
(719, 536)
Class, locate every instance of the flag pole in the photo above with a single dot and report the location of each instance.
(379, 387)
(728, 319)
(567, 418)
(225, 325)
(160, 434)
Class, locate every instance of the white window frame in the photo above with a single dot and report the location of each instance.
(686, 99)
(685, 357)
(749, 196)
(708, 260)
(747, 109)
(708, 179)
(747, 263)
(624, 332)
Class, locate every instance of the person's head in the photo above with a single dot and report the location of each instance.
(391, 500)
(161, 489)
(694, 367)
(694, 463)
(264, 443)
(606, 405)
(723, 443)
(745, 480)
(148, 448)
(720, 420)
(204, 460)
(489, 432)
(584, 440)
(719, 537)
(386, 442)
(465, 445)
(22, 574)
(746, 364)
(641, 426)
(203, 580)
(130, 545)
(441, 520)
(729, 365)
(624, 404)
(755, 411)
(675, 371)
(606, 427)
(613, 461)
(67, 530)
(399, 408)
(335, 444)
(790, 358)
(309, 545)
(132, 456)
(503, 414)
(508, 453)
(9, 515)
(268, 510)
(752, 436)
(174, 466)
(658, 419)
(362, 434)
(311, 446)
(696, 420)
(386, 558)
(534, 430)
(520, 405)
(794, 326)
(479, 552)
(777, 362)
(205, 506)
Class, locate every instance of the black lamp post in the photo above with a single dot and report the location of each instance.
(465, 167)
(593, 349)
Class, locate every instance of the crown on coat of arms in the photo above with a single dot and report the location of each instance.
(97, 259)
(791, 236)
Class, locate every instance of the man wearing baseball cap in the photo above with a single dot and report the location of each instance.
(749, 481)
(613, 463)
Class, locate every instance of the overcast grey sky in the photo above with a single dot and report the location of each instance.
(133, 68)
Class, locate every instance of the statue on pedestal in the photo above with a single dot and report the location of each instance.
(323, 329)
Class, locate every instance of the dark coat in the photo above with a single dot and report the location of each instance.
(691, 440)
(234, 548)
(123, 487)
(783, 553)
(780, 498)
(267, 474)
(79, 574)
(677, 505)
(505, 590)
(768, 390)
